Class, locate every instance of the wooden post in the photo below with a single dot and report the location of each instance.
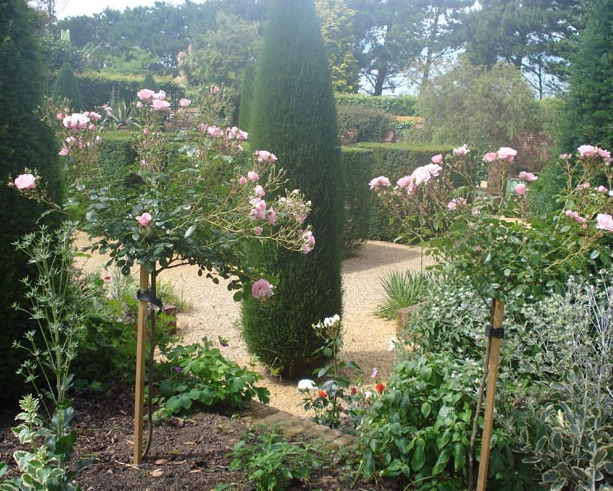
(141, 349)
(488, 421)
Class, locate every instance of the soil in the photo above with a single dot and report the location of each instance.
(192, 453)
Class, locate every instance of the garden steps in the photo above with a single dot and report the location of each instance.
(293, 426)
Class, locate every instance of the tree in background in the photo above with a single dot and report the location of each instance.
(536, 36)
(24, 142)
(483, 107)
(66, 88)
(336, 29)
(294, 116)
(588, 113)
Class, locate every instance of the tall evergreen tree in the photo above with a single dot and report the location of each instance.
(294, 117)
(24, 141)
(588, 114)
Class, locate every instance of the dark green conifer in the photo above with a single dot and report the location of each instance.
(24, 142)
(294, 116)
(66, 88)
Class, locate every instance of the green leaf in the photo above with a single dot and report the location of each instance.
(419, 457)
(426, 409)
(594, 254)
(551, 476)
(190, 231)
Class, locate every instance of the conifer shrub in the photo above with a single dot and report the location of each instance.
(294, 116)
(24, 142)
(66, 88)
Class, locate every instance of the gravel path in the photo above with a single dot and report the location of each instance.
(366, 340)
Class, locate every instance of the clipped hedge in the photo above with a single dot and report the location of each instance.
(117, 153)
(357, 164)
(362, 124)
(396, 106)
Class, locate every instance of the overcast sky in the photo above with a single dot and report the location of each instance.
(73, 8)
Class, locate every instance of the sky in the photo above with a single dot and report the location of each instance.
(73, 8)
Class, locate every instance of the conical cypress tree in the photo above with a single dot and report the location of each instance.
(588, 109)
(294, 116)
(24, 141)
(66, 87)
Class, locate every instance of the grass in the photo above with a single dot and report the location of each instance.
(403, 290)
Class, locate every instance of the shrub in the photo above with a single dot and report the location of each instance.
(394, 106)
(293, 116)
(357, 165)
(66, 88)
(369, 124)
(403, 290)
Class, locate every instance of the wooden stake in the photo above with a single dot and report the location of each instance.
(139, 389)
(490, 400)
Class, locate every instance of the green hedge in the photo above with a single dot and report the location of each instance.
(396, 106)
(368, 124)
(357, 163)
(116, 154)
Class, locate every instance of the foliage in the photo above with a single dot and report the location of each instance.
(452, 106)
(23, 141)
(334, 391)
(66, 88)
(564, 421)
(534, 36)
(294, 115)
(403, 290)
(419, 430)
(367, 124)
(277, 463)
(357, 164)
(40, 466)
(587, 108)
(395, 106)
(336, 18)
(199, 373)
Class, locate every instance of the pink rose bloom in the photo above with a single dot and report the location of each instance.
(575, 216)
(586, 151)
(63, 152)
(259, 191)
(403, 182)
(379, 182)
(60, 116)
(253, 176)
(98, 139)
(76, 121)
(271, 216)
(309, 241)
(506, 153)
(139, 105)
(160, 96)
(437, 159)
(145, 94)
(455, 203)
(242, 180)
(479, 248)
(265, 156)
(183, 102)
(601, 189)
(94, 116)
(527, 176)
(520, 189)
(262, 289)
(490, 157)
(463, 150)
(25, 181)
(604, 154)
(258, 231)
(160, 105)
(214, 90)
(237, 134)
(604, 222)
(144, 219)
(259, 209)
(214, 131)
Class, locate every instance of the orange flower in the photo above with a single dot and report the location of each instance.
(322, 394)
(380, 388)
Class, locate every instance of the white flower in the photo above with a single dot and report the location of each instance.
(331, 321)
(393, 343)
(306, 384)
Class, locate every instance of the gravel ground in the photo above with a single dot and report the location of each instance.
(366, 340)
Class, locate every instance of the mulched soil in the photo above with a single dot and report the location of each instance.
(186, 454)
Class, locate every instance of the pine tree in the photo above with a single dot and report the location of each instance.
(66, 88)
(24, 141)
(588, 113)
(294, 116)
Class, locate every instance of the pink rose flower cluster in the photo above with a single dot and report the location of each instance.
(504, 153)
(77, 122)
(296, 208)
(229, 139)
(379, 182)
(419, 176)
(157, 100)
(456, 203)
(604, 222)
(590, 151)
(144, 219)
(461, 151)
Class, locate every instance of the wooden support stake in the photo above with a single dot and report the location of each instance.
(490, 400)
(141, 349)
